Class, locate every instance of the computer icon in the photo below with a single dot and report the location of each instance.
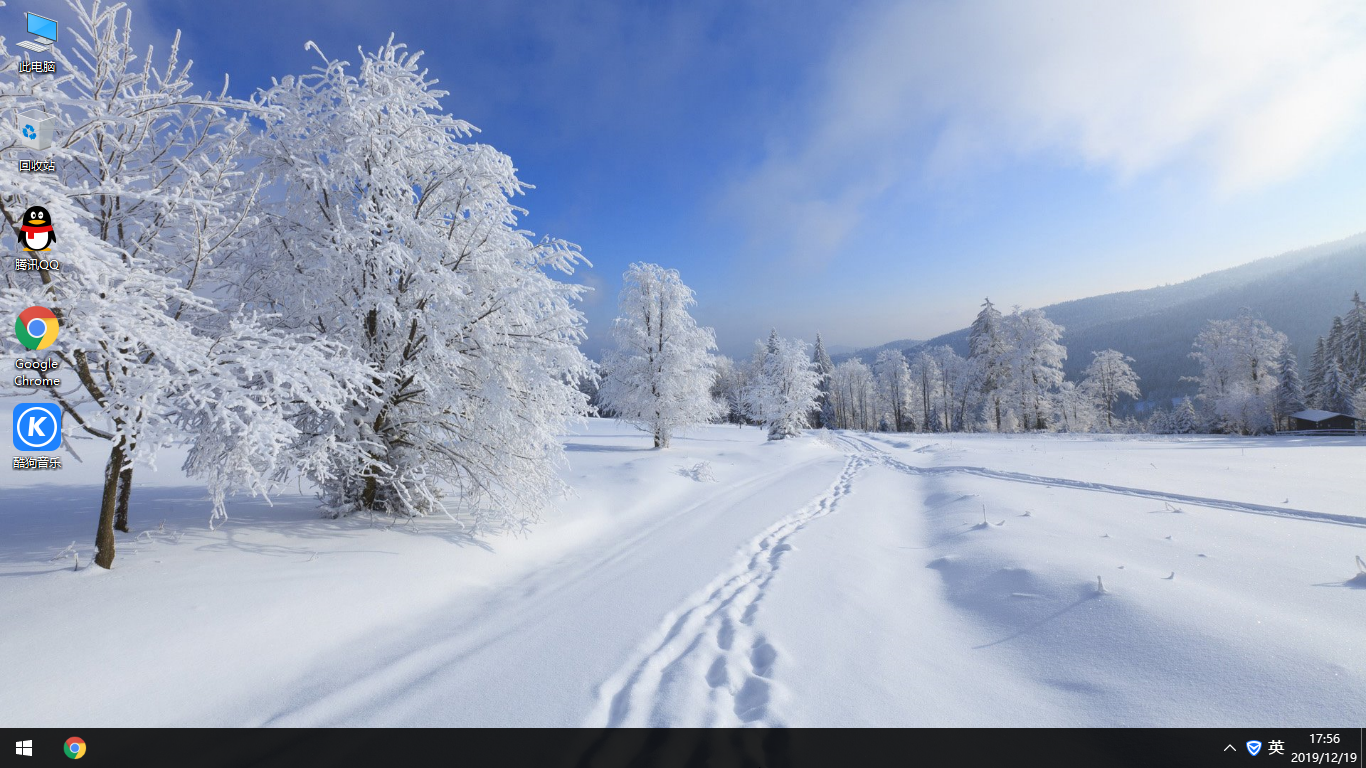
(44, 29)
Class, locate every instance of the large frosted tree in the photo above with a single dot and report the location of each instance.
(397, 237)
(1238, 371)
(784, 386)
(1034, 364)
(661, 372)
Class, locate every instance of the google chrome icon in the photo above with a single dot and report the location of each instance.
(75, 748)
(36, 327)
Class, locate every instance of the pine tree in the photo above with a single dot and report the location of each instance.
(1354, 343)
(1159, 422)
(1318, 372)
(1290, 394)
(661, 370)
(1336, 395)
(824, 415)
(1184, 420)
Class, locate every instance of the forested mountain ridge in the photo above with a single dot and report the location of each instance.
(1297, 293)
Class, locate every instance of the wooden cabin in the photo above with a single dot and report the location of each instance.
(1315, 420)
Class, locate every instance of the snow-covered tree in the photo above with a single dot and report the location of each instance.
(1238, 371)
(1159, 422)
(396, 237)
(1336, 392)
(1318, 371)
(728, 388)
(925, 376)
(1359, 404)
(784, 386)
(1184, 419)
(150, 201)
(893, 388)
(1290, 390)
(1353, 344)
(854, 391)
(824, 415)
(1079, 410)
(988, 350)
(1107, 378)
(954, 387)
(1035, 364)
(661, 372)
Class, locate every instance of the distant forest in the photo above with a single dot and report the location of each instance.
(1297, 293)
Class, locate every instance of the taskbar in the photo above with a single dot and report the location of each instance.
(680, 747)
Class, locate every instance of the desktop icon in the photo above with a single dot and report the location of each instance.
(1253, 747)
(36, 328)
(35, 229)
(35, 129)
(38, 427)
(75, 748)
(44, 31)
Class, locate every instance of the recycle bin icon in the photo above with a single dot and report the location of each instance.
(35, 129)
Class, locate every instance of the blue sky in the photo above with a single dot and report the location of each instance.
(872, 170)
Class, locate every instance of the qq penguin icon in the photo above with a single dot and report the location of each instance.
(35, 231)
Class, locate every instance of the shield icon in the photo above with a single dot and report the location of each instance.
(1253, 747)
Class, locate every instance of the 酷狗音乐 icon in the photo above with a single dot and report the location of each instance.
(38, 427)
(35, 230)
(36, 328)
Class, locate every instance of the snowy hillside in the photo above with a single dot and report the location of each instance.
(834, 579)
(1297, 292)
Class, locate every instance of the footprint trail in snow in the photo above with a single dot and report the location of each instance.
(708, 665)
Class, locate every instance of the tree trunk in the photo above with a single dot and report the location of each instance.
(125, 490)
(661, 440)
(104, 534)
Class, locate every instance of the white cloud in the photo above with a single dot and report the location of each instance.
(1246, 93)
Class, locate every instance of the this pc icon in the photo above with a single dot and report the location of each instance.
(44, 30)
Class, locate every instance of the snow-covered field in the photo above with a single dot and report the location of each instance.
(836, 579)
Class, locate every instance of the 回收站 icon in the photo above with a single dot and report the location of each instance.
(35, 129)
